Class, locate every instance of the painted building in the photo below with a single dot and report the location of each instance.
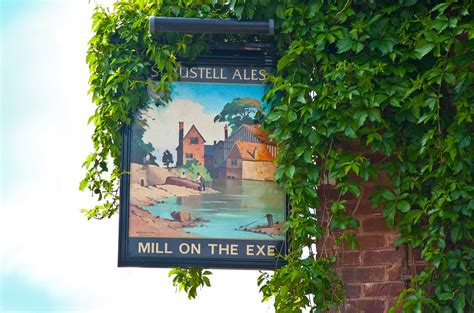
(190, 146)
(249, 143)
(246, 154)
(249, 160)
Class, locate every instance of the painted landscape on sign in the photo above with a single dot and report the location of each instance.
(202, 167)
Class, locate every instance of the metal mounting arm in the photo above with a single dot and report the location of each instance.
(209, 25)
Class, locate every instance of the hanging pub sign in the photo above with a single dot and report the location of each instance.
(201, 190)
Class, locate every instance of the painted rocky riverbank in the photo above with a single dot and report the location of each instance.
(275, 230)
(145, 224)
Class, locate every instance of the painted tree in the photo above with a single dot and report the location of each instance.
(238, 112)
(167, 158)
(141, 151)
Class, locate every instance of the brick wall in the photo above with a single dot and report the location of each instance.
(196, 149)
(374, 274)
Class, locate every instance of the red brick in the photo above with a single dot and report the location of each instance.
(384, 179)
(391, 302)
(328, 193)
(374, 224)
(347, 308)
(325, 247)
(375, 158)
(361, 207)
(416, 268)
(392, 235)
(362, 274)
(349, 258)
(366, 190)
(353, 290)
(394, 272)
(382, 257)
(367, 242)
(383, 289)
(365, 306)
(415, 255)
(373, 272)
(365, 208)
(324, 223)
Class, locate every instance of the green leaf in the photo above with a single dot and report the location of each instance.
(301, 99)
(299, 151)
(359, 47)
(354, 189)
(344, 44)
(290, 171)
(384, 45)
(349, 132)
(360, 117)
(388, 195)
(446, 296)
(292, 116)
(450, 78)
(238, 11)
(423, 49)
(460, 302)
(83, 184)
(403, 206)
(413, 216)
(389, 214)
(283, 62)
(456, 233)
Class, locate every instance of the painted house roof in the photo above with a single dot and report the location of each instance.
(189, 131)
(258, 132)
(250, 151)
(188, 135)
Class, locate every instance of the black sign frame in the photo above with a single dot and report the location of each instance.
(257, 57)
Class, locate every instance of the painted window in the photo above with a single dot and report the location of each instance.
(234, 162)
(188, 155)
(194, 140)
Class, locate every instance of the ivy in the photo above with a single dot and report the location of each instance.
(387, 77)
(190, 280)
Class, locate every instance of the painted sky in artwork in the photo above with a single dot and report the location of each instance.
(194, 104)
(214, 96)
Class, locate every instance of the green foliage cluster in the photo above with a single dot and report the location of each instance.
(192, 168)
(190, 280)
(389, 77)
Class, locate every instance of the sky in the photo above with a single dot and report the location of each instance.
(52, 259)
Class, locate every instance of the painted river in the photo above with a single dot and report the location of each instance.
(239, 203)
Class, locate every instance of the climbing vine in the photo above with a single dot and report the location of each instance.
(387, 77)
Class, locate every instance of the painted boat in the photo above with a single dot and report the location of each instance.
(183, 182)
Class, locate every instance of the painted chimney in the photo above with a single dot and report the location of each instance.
(181, 133)
(226, 132)
(179, 161)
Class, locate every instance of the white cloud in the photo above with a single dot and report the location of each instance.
(44, 236)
